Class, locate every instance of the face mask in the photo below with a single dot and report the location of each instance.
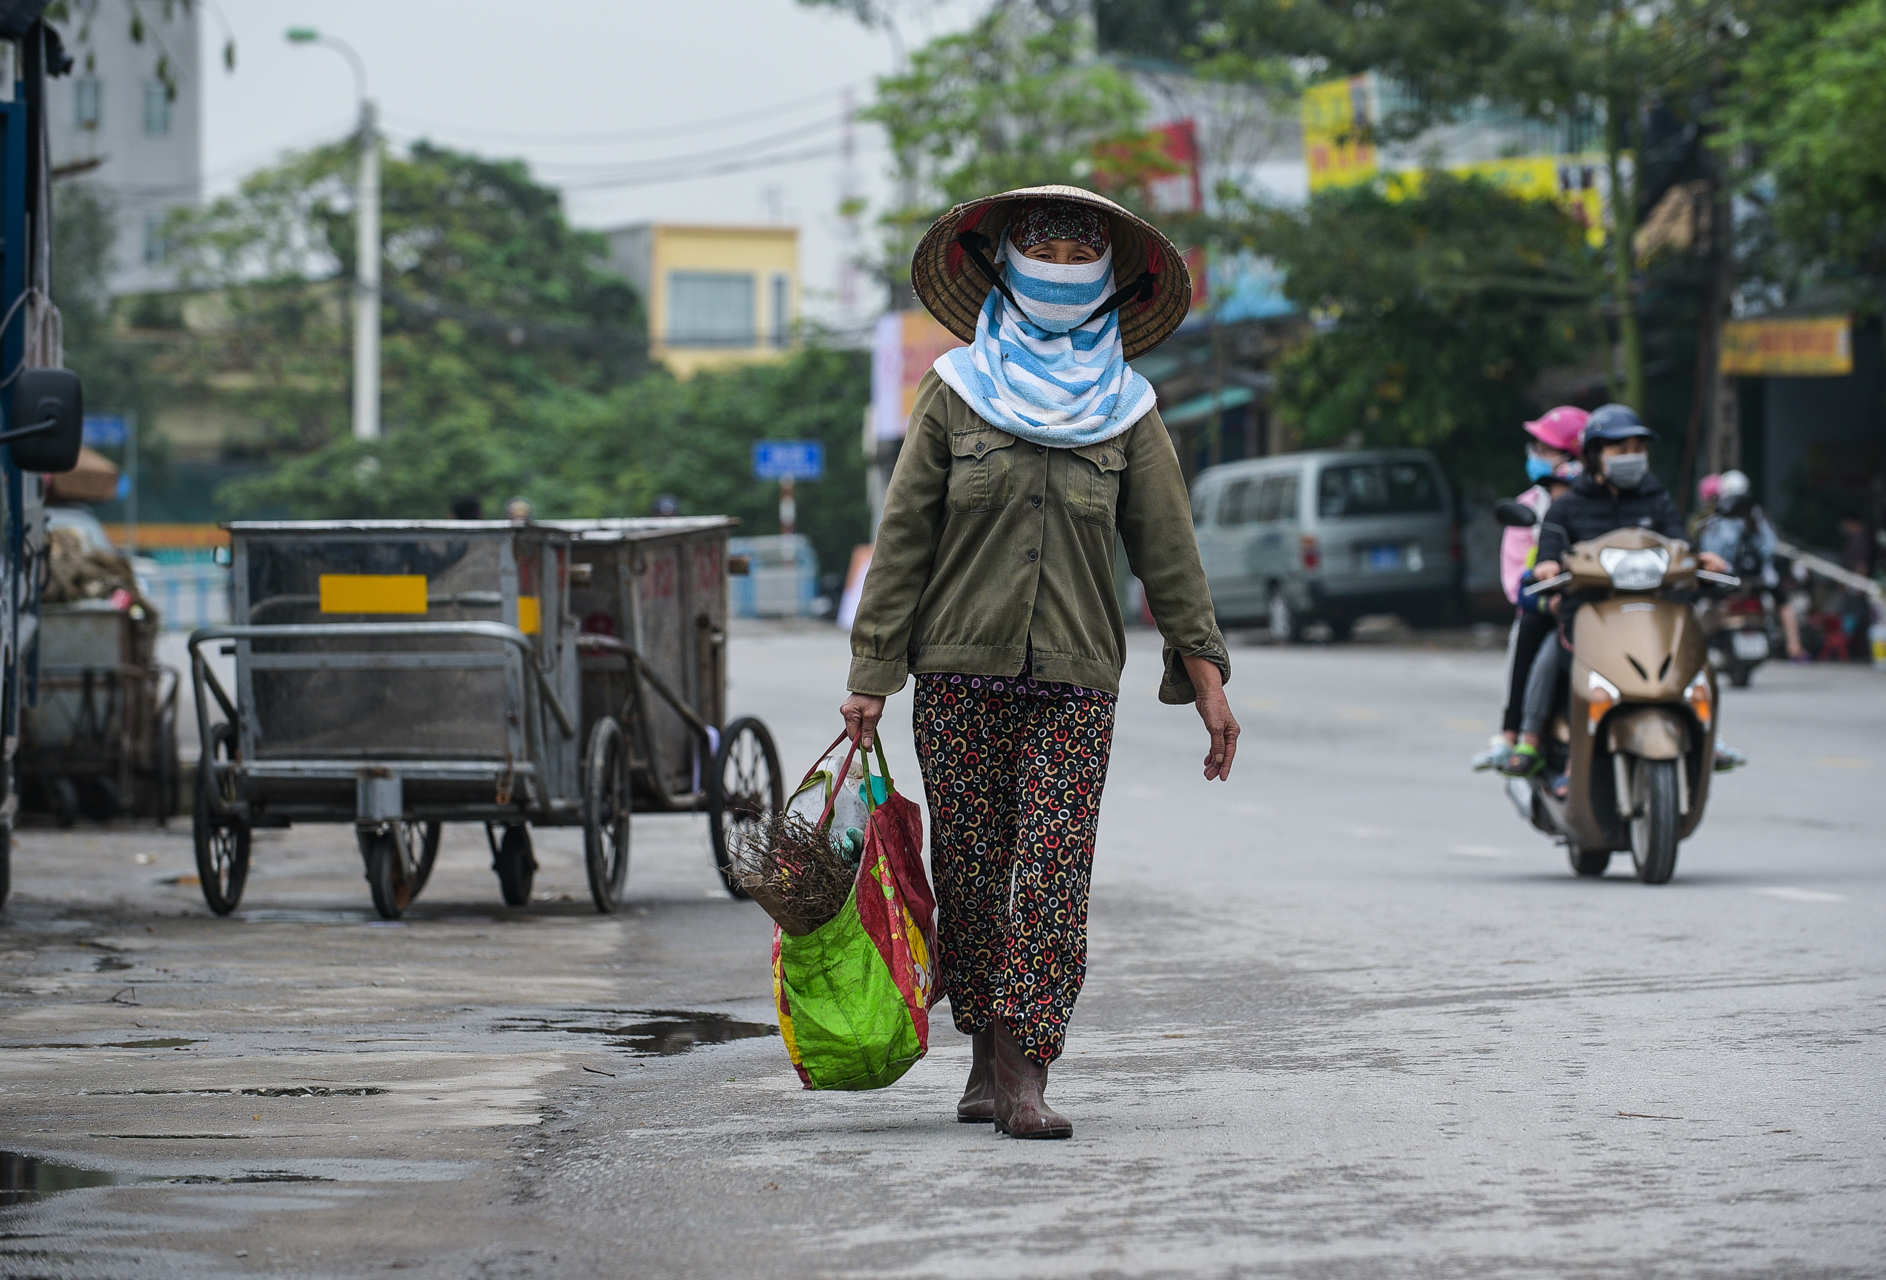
(1537, 468)
(1627, 470)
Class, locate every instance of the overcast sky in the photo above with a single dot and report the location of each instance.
(602, 97)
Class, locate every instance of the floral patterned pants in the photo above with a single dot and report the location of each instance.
(1013, 770)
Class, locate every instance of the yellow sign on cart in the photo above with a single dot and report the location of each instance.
(373, 593)
(530, 615)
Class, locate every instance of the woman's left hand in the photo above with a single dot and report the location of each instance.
(1215, 711)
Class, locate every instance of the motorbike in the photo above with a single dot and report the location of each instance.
(1638, 737)
(1741, 639)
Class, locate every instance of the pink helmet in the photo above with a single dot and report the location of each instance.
(1709, 488)
(1559, 428)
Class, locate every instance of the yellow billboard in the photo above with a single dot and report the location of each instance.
(1821, 347)
(1336, 142)
(1570, 180)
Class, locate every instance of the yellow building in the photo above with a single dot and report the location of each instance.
(715, 295)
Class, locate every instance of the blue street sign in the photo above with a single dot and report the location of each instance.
(106, 432)
(789, 459)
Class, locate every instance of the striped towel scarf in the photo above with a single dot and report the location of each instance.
(1033, 373)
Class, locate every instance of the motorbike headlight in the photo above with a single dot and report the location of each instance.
(1640, 570)
(1701, 700)
(1600, 696)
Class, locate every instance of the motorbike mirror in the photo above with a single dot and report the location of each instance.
(48, 421)
(1515, 515)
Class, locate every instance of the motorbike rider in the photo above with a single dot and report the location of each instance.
(1739, 531)
(1551, 464)
(1617, 490)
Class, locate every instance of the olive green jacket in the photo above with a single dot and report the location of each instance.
(991, 546)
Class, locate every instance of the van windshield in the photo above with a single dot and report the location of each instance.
(1377, 489)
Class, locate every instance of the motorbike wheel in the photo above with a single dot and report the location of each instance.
(1588, 862)
(1654, 819)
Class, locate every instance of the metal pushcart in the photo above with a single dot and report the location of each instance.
(103, 735)
(398, 675)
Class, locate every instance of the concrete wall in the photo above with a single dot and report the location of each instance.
(645, 255)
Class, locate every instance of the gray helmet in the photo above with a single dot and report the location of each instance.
(1613, 422)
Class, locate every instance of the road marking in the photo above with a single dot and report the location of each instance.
(1478, 851)
(1257, 704)
(1802, 895)
(1840, 762)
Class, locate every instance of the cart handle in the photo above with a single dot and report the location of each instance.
(609, 644)
(316, 630)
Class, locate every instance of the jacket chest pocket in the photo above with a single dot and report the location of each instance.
(1094, 472)
(981, 464)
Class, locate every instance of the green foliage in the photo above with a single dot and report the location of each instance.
(1436, 311)
(575, 453)
(1809, 105)
(490, 296)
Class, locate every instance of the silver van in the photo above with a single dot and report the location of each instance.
(1328, 536)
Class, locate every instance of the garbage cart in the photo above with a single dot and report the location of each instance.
(103, 737)
(397, 675)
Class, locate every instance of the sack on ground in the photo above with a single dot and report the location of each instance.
(854, 994)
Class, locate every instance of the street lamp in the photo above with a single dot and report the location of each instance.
(367, 270)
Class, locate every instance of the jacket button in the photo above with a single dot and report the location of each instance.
(980, 446)
(1034, 555)
(1041, 448)
(1036, 500)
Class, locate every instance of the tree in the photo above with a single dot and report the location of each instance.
(491, 296)
(1436, 309)
(1808, 108)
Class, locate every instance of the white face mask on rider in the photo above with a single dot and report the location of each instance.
(1627, 470)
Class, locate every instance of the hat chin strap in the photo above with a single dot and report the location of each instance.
(975, 247)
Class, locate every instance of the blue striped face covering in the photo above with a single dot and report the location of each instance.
(1039, 372)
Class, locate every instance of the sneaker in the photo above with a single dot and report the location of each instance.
(1498, 751)
(1728, 757)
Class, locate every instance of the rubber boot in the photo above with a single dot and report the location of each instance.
(1020, 1109)
(978, 1103)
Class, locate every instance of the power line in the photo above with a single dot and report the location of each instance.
(621, 135)
(732, 166)
(629, 168)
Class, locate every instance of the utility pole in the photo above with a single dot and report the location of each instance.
(367, 283)
(367, 255)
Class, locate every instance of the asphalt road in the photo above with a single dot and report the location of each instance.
(1345, 1016)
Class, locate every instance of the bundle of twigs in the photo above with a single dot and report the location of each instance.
(790, 867)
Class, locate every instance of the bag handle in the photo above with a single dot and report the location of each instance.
(844, 772)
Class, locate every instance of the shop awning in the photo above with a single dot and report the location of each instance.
(1206, 405)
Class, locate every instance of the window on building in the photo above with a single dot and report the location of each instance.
(782, 308)
(156, 241)
(86, 92)
(711, 309)
(156, 109)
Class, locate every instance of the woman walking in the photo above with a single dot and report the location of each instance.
(1030, 451)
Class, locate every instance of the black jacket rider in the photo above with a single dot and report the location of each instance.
(1590, 510)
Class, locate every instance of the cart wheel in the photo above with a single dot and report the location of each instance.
(6, 862)
(423, 839)
(606, 813)
(222, 845)
(515, 865)
(388, 870)
(745, 790)
(62, 797)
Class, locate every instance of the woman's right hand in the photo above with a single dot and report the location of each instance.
(862, 711)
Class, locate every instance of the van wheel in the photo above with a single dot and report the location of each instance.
(1286, 627)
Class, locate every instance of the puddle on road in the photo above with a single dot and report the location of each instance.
(160, 1042)
(24, 1179)
(661, 1033)
(279, 1091)
(109, 964)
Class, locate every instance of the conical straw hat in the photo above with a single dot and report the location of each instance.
(953, 289)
